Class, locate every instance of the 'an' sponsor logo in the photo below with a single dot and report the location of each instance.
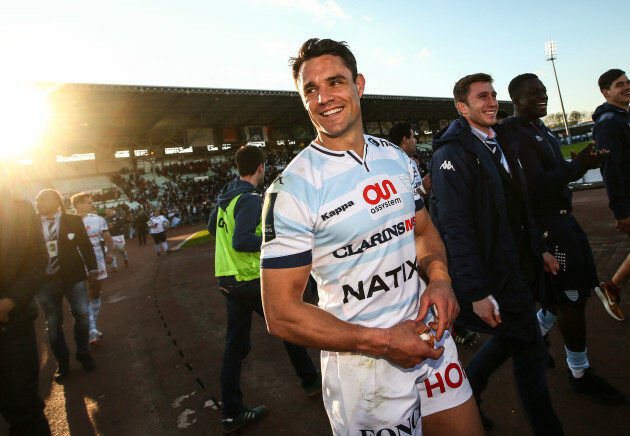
(379, 191)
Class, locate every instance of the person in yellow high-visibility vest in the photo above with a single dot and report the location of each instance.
(236, 224)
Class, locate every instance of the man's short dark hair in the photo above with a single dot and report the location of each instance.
(605, 80)
(248, 159)
(316, 47)
(515, 84)
(398, 132)
(79, 198)
(462, 86)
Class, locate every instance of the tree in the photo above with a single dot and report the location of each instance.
(554, 119)
(574, 117)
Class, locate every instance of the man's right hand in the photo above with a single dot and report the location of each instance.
(623, 225)
(91, 278)
(406, 349)
(484, 309)
(590, 158)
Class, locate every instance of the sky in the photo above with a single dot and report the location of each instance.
(412, 48)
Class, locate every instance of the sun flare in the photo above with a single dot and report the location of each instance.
(24, 116)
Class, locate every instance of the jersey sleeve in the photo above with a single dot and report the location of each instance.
(103, 225)
(288, 223)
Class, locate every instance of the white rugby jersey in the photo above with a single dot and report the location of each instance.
(159, 220)
(95, 225)
(353, 219)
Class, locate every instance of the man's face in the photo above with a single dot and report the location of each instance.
(109, 213)
(46, 204)
(532, 100)
(409, 144)
(481, 109)
(619, 92)
(85, 206)
(330, 96)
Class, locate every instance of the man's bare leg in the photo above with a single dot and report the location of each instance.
(463, 420)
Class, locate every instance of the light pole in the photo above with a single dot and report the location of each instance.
(551, 49)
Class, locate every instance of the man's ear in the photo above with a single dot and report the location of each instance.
(360, 82)
(462, 108)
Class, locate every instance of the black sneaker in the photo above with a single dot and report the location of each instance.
(551, 364)
(595, 388)
(464, 336)
(63, 368)
(246, 416)
(86, 360)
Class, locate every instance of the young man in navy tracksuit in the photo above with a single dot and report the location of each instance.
(612, 132)
(548, 175)
(495, 253)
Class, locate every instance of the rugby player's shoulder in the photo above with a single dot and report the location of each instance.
(381, 142)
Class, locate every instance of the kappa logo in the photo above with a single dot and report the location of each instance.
(447, 165)
(337, 210)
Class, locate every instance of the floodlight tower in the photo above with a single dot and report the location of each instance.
(551, 48)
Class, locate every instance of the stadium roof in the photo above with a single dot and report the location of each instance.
(96, 116)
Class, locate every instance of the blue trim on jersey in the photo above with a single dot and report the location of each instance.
(365, 158)
(291, 261)
(325, 151)
(353, 156)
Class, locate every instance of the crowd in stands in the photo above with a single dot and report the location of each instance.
(183, 200)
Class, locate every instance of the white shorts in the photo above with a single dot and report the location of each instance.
(364, 395)
(119, 241)
(100, 261)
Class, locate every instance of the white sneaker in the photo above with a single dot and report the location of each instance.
(95, 337)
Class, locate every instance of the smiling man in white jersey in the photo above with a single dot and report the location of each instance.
(96, 228)
(347, 211)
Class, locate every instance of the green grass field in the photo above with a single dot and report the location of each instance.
(566, 149)
(201, 237)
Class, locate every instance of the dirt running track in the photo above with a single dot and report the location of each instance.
(164, 321)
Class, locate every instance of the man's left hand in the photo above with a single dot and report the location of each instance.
(109, 258)
(551, 264)
(439, 293)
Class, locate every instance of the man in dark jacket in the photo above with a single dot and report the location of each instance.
(236, 223)
(612, 132)
(142, 227)
(479, 205)
(548, 175)
(70, 254)
(22, 264)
